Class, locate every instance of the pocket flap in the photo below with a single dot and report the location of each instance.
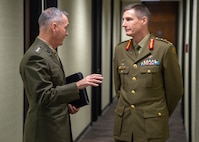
(123, 69)
(156, 113)
(149, 69)
(119, 110)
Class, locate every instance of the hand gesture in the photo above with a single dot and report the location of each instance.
(90, 80)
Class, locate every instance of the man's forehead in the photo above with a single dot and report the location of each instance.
(130, 12)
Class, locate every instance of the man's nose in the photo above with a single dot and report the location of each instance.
(123, 23)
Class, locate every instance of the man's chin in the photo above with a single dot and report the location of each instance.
(128, 34)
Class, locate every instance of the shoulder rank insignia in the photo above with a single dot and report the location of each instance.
(162, 39)
(173, 50)
(38, 49)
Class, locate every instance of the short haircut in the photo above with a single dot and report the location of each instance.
(49, 15)
(140, 9)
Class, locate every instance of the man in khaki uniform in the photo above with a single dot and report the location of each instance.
(148, 81)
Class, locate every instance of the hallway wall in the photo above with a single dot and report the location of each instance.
(196, 5)
(11, 52)
(108, 47)
(116, 32)
(76, 56)
(75, 53)
(106, 51)
(194, 80)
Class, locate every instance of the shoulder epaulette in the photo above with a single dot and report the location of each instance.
(38, 49)
(164, 40)
(123, 42)
(169, 43)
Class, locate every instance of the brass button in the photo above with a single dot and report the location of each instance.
(134, 79)
(133, 91)
(132, 106)
(135, 66)
(148, 71)
(159, 114)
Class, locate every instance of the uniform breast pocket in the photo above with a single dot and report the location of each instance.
(57, 76)
(123, 71)
(148, 73)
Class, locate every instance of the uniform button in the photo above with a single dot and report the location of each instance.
(132, 106)
(134, 79)
(159, 114)
(135, 66)
(133, 91)
(148, 71)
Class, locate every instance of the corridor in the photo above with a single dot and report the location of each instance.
(101, 131)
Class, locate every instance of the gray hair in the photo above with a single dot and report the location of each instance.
(49, 15)
(140, 9)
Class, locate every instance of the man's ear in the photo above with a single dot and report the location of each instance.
(53, 26)
(144, 20)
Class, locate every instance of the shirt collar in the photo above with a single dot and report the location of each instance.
(144, 40)
(50, 46)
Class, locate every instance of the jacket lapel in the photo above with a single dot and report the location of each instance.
(145, 51)
(131, 53)
(50, 53)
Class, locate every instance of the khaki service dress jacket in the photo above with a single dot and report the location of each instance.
(148, 88)
(43, 77)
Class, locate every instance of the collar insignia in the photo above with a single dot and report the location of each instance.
(151, 44)
(129, 44)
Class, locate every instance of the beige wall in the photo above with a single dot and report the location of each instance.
(106, 50)
(11, 51)
(194, 73)
(116, 30)
(76, 53)
(197, 70)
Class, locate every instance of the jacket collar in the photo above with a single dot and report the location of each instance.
(144, 53)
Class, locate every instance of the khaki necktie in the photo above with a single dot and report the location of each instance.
(55, 53)
(137, 48)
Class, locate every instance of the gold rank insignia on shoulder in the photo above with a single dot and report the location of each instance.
(165, 40)
(173, 50)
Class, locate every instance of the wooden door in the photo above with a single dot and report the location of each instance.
(164, 20)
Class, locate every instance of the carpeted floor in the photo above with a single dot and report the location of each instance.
(101, 130)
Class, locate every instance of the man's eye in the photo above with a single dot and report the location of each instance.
(128, 19)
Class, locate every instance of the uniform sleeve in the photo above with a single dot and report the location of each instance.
(40, 86)
(172, 79)
(117, 80)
